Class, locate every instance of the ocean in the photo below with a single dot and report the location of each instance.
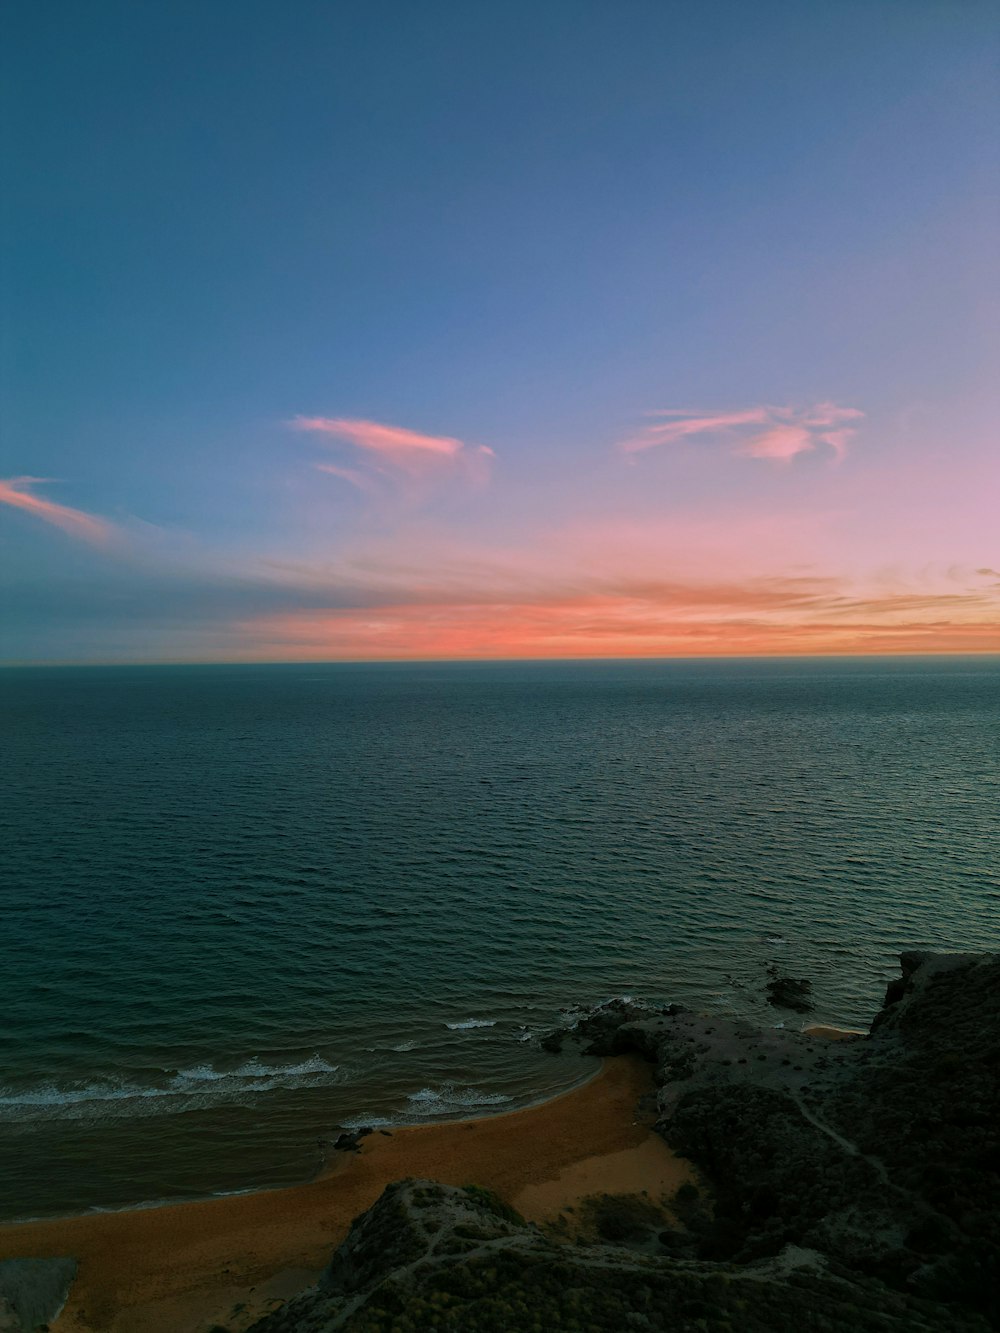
(245, 905)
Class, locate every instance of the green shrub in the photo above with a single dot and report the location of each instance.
(494, 1204)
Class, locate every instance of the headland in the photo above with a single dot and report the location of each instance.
(714, 1174)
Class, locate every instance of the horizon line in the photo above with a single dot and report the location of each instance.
(487, 661)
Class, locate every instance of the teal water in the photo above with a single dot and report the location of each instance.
(244, 905)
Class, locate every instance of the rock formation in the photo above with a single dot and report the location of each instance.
(856, 1186)
(32, 1292)
(430, 1256)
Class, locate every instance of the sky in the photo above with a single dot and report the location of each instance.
(566, 328)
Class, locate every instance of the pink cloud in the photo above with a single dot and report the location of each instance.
(778, 442)
(17, 492)
(787, 431)
(357, 478)
(394, 450)
(687, 423)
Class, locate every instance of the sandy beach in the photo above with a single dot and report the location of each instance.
(226, 1261)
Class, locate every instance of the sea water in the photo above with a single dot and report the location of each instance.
(245, 905)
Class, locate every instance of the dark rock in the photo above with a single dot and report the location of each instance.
(789, 992)
(350, 1140)
(33, 1291)
(891, 1163)
(896, 989)
(851, 1186)
(606, 1029)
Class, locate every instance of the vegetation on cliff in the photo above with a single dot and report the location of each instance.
(855, 1188)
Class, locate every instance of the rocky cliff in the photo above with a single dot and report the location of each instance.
(856, 1186)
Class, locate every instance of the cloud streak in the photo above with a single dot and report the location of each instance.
(18, 492)
(368, 611)
(755, 617)
(776, 433)
(395, 454)
(397, 600)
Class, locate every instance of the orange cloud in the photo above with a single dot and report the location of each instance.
(787, 431)
(760, 617)
(395, 451)
(17, 492)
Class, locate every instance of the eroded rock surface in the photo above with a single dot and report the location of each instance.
(883, 1152)
(856, 1186)
(429, 1256)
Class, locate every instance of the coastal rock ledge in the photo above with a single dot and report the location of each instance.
(856, 1186)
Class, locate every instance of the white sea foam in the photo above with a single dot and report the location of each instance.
(472, 1023)
(574, 1014)
(253, 1069)
(200, 1085)
(450, 1098)
(371, 1121)
(525, 1033)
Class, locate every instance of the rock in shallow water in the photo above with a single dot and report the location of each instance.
(789, 992)
(350, 1139)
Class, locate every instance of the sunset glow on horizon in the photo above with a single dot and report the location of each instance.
(580, 332)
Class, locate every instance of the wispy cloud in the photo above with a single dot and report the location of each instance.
(594, 618)
(18, 492)
(397, 454)
(585, 592)
(777, 433)
(362, 480)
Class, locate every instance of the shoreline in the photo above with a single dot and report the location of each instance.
(328, 1167)
(832, 1032)
(227, 1259)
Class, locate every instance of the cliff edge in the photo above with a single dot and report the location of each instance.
(856, 1186)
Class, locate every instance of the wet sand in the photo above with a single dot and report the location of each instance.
(185, 1268)
(827, 1032)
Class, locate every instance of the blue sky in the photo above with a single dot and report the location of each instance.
(517, 227)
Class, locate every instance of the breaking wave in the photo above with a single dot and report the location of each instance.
(450, 1098)
(183, 1089)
